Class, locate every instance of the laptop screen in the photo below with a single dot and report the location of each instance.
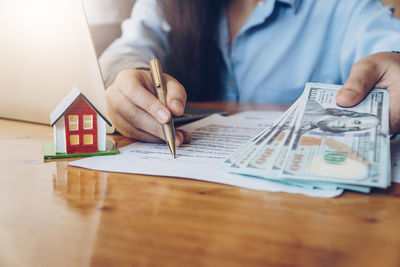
(46, 50)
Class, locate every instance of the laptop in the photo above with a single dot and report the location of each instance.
(46, 50)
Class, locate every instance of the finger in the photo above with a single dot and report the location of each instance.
(138, 118)
(394, 110)
(179, 137)
(363, 77)
(126, 129)
(114, 100)
(187, 138)
(140, 96)
(176, 96)
(134, 117)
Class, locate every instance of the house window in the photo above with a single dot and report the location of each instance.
(73, 122)
(88, 139)
(74, 139)
(87, 122)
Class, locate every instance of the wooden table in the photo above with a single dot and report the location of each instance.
(52, 214)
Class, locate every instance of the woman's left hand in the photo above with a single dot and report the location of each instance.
(381, 70)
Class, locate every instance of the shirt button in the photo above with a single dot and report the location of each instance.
(231, 84)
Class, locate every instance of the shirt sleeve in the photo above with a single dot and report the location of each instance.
(144, 37)
(371, 28)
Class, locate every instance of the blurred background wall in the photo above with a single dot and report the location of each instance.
(105, 17)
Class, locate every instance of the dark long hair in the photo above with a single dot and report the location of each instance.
(194, 58)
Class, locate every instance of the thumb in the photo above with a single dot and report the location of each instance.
(363, 77)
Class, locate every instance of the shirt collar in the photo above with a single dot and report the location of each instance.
(265, 10)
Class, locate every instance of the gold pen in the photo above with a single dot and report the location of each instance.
(160, 87)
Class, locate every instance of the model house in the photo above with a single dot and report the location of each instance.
(79, 128)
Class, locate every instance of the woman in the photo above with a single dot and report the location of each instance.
(246, 50)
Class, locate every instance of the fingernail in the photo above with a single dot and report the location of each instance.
(187, 138)
(162, 116)
(346, 97)
(178, 105)
(178, 138)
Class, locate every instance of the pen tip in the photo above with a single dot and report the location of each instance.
(171, 145)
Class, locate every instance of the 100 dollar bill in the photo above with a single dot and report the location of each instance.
(342, 145)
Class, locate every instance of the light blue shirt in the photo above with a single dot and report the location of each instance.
(283, 45)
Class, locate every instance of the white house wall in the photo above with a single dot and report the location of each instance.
(59, 136)
(101, 133)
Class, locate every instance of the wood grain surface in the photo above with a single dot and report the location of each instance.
(52, 214)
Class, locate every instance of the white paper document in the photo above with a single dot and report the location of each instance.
(213, 139)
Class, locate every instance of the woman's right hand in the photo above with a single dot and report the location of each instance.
(137, 113)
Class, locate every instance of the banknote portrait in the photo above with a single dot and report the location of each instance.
(337, 120)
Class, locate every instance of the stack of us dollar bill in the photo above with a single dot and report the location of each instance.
(318, 144)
